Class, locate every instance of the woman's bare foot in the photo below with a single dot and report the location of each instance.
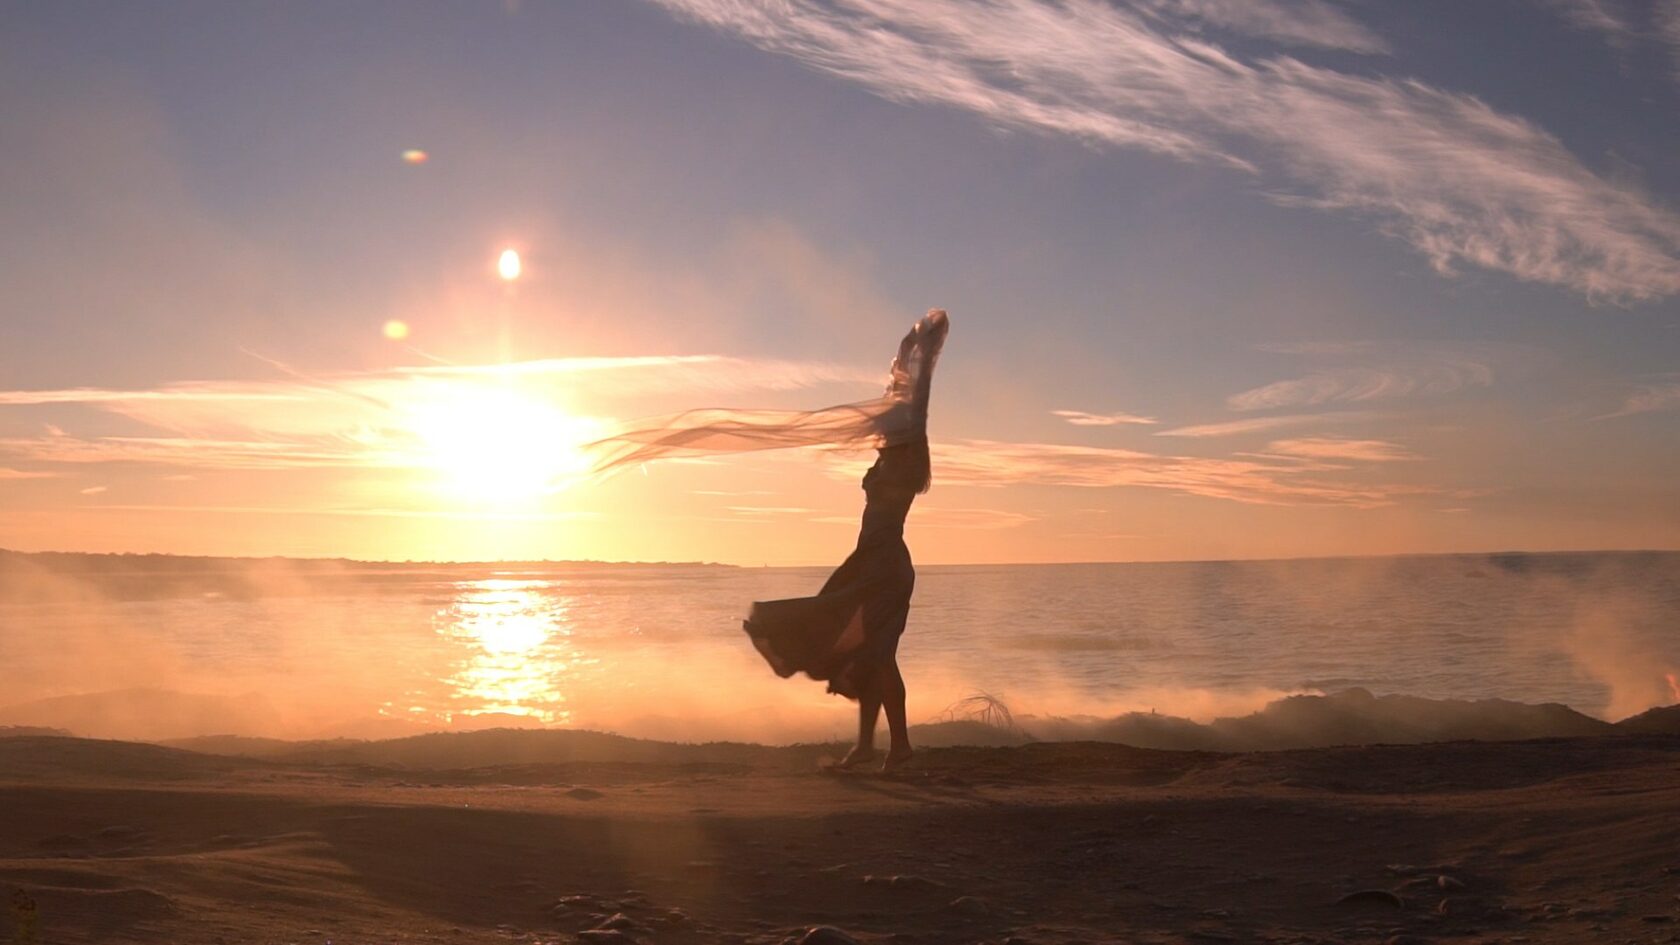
(855, 757)
(896, 759)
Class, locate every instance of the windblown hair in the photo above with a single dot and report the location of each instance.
(897, 418)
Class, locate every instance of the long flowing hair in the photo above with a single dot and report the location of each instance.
(897, 418)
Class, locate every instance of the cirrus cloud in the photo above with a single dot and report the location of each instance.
(366, 419)
(927, 516)
(1351, 385)
(1668, 29)
(1263, 424)
(1337, 448)
(1080, 418)
(1252, 480)
(1656, 395)
(1287, 22)
(1460, 181)
(1596, 16)
(1408, 371)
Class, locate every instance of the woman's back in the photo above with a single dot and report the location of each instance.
(889, 488)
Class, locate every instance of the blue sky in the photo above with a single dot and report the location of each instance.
(1385, 277)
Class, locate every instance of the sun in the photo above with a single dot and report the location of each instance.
(509, 266)
(497, 445)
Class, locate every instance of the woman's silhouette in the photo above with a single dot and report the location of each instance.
(848, 633)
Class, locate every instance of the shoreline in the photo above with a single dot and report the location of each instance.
(1310, 720)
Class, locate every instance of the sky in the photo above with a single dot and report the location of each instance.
(1226, 279)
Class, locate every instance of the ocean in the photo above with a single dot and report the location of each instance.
(324, 649)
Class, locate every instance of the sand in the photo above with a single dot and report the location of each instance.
(541, 837)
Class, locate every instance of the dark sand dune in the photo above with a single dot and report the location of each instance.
(475, 749)
(146, 714)
(541, 837)
(1349, 717)
(18, 731)
(1663, 720)
(59, 758)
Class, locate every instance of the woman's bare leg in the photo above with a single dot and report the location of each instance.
(892, 699)
(869, 710)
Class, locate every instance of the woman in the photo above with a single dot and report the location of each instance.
(848, 633)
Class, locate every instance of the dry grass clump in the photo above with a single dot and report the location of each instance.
(982, 707)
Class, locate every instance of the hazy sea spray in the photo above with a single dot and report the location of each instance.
(1607, 643)
(308, 649)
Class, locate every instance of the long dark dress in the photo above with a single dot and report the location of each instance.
(849, 631)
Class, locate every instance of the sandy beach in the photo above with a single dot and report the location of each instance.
(562, 837)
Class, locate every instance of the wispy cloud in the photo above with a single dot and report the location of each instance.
(1080, 418)
(1667, 22)
(770, 510)
(1608, 19)
(1657, 22)
(1403, 371)
(368, 419)
(232, 392)
(1659, 394)
(8, 473)
(1264, 424)
(927, 516)
(732, 493)
(204, 453)
(1352, 385)
(1289, 22)
(644, 374)
(359, 512)
(1256, 480)
(1460, 181)
(1336, 448)
(672, 372)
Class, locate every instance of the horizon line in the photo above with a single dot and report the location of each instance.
(949, 564)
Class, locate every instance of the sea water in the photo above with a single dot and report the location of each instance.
(307, 651)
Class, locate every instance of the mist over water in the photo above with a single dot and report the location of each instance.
(323, 649)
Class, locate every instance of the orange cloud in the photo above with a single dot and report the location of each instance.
(1334, 448)
(1080, 418)
(1256, 480)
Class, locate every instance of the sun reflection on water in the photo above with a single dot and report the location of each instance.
(516, 650)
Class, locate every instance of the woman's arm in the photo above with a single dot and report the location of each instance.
(929, 335)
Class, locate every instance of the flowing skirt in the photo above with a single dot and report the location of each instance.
(849, 631)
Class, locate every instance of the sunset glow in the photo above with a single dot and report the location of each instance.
(496, 446)
(839, 472)
(1229, 284)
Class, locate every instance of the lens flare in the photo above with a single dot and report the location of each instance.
(415, 156)
(508, 265)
